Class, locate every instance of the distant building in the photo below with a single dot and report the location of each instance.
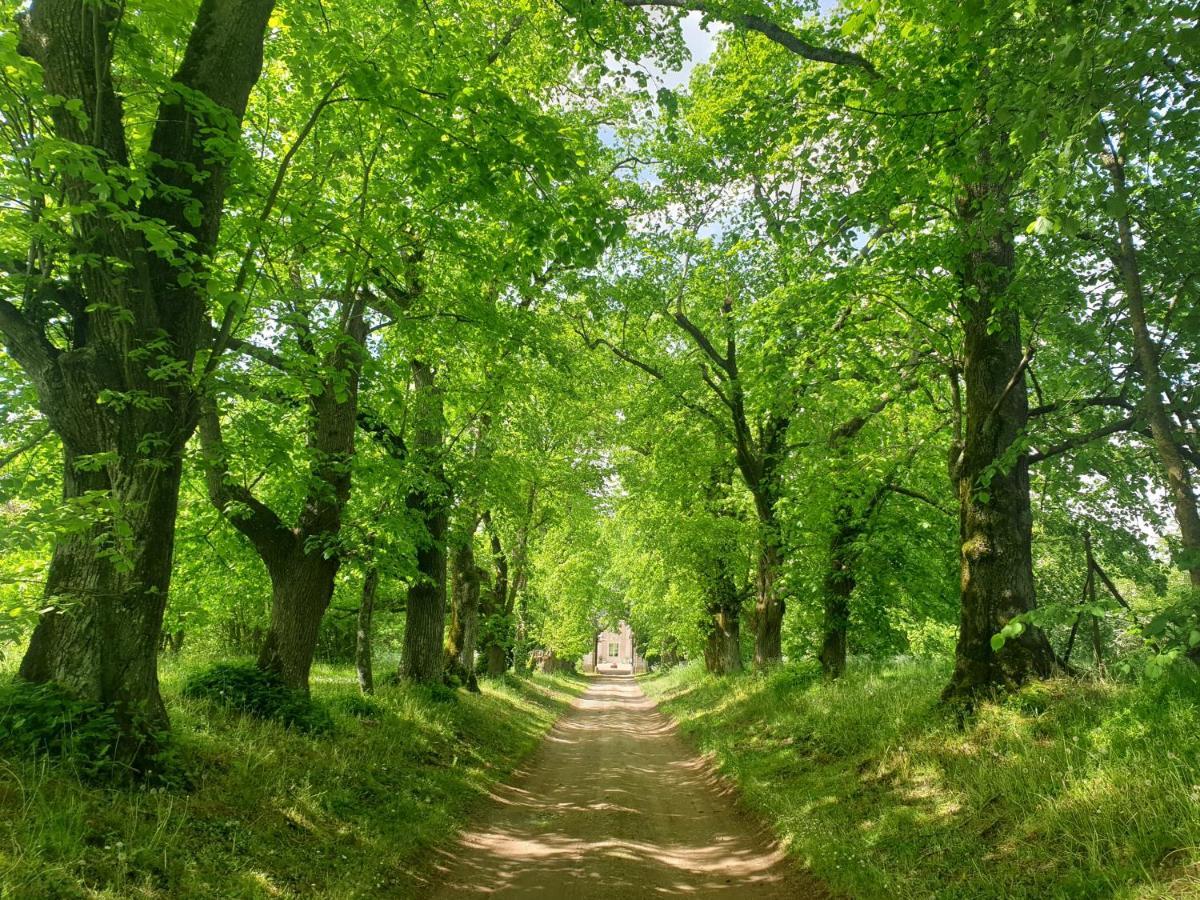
(614, 651)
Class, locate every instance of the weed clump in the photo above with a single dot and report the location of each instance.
(47, 720)
(255, 692)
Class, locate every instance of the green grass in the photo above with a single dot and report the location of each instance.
(1066, 789)
(273, 812)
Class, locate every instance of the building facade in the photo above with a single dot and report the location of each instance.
(614, 651)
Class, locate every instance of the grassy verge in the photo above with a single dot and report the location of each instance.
(1066, 789)
(275, 813)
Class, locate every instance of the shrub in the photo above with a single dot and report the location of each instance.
(46, 719)
(250, 690)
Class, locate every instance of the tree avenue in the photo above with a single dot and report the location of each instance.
(437, 342)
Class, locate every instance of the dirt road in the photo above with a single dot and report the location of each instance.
(614, 805)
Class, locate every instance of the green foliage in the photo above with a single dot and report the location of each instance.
(248, 689)
(45, 719)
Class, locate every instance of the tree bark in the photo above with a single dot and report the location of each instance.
(995, 518)
(723, 646)
(768, 606)
(1175, 467)
(839, 587)
(109, 586)
(494, 603)
(101, 641)
(425, 623)
(301, 588)
(362, 635)
(464, 614)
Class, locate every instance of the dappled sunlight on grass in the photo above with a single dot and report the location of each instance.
(1065, 789)
(273, 812)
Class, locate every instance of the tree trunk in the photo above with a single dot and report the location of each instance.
(768, 605)
(101, 641)
(362, 635)
(110, 585)
(839, 588)
(723, 650)
(464, 614)
(995, 519)
(494, 610)
(301, 588)
(302, 576)
(425, 623)
(1179, 478)
(723, 647)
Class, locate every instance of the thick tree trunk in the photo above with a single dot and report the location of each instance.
(101, 641)
(768, 605)
(1175, 468)
(497, 659)
(362, 635)
(110, 585)
(302, 577)
(301, 588)
(838, 589)
(494, 607)
(464, 614)
(723, 648)
(995, 518)
(425, 623)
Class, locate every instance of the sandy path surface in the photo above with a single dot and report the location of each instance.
(615, 805)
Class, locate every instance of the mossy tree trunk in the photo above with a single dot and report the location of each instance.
(991, 473)
(462, 632)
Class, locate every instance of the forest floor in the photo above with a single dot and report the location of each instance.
(1069, 788)
(615, 804)
(271, 812)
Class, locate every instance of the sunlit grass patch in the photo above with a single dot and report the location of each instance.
(274, 812)
(1065, 789)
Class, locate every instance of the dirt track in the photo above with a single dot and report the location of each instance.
(615, 805)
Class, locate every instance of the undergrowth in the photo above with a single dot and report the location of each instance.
(1071, 789)
(39, 720)
(274, 811)
(246, 688)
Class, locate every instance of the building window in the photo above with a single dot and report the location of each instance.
(612, 649)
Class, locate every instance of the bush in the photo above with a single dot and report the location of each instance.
(250, 690)
(46, 719)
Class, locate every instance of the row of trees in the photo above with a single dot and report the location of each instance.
(372, 293)
(856, 274)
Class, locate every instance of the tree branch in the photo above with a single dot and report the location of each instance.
(702, 341)
(917, 495)
(780, 35)
(26, 343)
(257, 521)
(21, 449)
(1080, 440)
